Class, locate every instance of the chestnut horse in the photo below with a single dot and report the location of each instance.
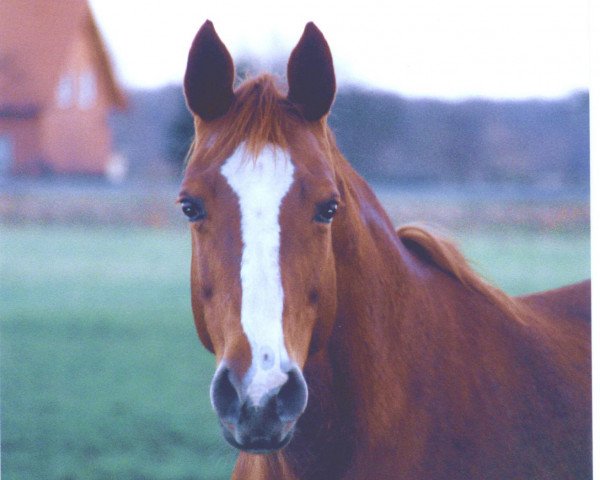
(346, 349)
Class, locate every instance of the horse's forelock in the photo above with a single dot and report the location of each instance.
(257, 119)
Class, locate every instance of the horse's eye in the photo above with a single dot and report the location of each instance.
(326, 211)
(193, 210)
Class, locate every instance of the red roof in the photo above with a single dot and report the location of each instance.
(35, 34)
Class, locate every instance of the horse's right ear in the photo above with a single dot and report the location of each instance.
(208, 81)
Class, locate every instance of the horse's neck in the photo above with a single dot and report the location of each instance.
(395, 376)
(346, 379)
(374, 281)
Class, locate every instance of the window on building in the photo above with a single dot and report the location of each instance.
(6, 154)
(64, 92)
(87, 89)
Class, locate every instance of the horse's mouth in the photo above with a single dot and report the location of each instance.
(260, 445)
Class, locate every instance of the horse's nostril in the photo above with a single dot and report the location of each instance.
(292, 396)
(224, 395)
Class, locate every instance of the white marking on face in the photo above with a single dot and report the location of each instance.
(261, 185)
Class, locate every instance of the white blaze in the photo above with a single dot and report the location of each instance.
(261, 184)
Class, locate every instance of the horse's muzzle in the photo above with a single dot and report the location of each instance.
(263, 427)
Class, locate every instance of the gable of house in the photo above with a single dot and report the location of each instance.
(36, 35)
(56, 85)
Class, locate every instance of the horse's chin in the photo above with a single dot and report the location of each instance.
(259, 446)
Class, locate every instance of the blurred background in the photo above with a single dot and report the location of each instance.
(470, 116)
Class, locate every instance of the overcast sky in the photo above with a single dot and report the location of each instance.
(434, 48)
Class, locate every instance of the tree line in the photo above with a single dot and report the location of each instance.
(388, 137)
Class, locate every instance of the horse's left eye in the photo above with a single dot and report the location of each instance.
(326, 211)
(193, 210)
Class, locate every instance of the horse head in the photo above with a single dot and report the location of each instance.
(261, 194)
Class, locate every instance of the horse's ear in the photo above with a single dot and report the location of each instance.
(311, 78)
(208, 81)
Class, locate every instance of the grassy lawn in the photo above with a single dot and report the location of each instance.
(102, 374)
(523, 261)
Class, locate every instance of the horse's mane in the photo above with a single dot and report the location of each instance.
(256, 117)
(444, 255)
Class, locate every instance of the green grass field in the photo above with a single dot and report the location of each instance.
(102, 375)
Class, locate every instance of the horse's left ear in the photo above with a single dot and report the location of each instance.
(208, 81)
(311, 78)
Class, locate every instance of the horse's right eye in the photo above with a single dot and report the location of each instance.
(193, 210)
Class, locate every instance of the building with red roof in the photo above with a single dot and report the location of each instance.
(57, 88)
